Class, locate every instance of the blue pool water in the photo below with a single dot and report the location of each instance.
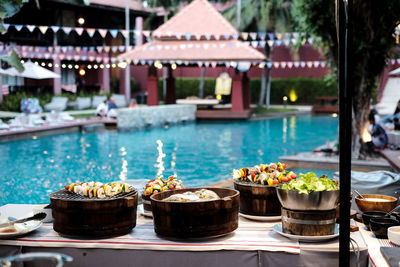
(199, 153)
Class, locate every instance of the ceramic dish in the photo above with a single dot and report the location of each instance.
(394, 234)
(260, 218)
(22, 229)
(278, 229)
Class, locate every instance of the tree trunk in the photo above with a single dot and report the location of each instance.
(201, 88)
(268, 95)
(263, 84)
(363, 86)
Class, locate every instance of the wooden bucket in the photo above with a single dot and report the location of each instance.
(196, 219)
(258, 200)
(308, 223)
(94, 217)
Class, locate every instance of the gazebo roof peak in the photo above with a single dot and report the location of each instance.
(198, 18)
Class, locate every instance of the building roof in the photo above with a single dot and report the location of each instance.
(211, 39)
(226, 50)
(199, 17)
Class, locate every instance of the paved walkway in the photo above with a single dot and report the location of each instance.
(8, 114)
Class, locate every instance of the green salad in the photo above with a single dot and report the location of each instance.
(310, 182)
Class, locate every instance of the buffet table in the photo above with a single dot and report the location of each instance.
(252, 244)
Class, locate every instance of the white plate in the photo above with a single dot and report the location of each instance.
(260, 218)
(305, 238)
(143, 212)
(22, 229)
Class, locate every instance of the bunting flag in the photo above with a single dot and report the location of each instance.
(55, 28)
(43, 29)
(113, 33)
(66, 30)
(18, 27)
(91, 32)
(102, 32)
(31, 28)
(79, 31)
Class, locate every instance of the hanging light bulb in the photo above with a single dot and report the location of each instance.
(82, 71)
(81, 21)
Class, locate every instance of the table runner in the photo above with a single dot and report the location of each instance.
(374, 245)
(250, 235)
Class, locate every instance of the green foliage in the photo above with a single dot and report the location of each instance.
(264, 15)
(114, 86)
(263, 110)
(12, 102)
(373, 27)
(306, 88)
(13, 60)
(189, 87)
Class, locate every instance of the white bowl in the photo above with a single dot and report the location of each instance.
(42, 208)
(394, 234)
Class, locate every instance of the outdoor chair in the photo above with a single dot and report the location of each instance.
(120, 100)
(80, 103)
(97, 99)
(4, 126)
(30, 105)
(57, 104)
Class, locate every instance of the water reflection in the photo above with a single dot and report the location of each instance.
(284, 130)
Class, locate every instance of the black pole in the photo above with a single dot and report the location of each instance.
(344, 29)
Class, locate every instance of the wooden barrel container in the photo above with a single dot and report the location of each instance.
(81, 216)
(196, 219)
(308, 223)
(257, 199)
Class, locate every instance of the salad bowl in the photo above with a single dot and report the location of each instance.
(309, 193)
(316, 200)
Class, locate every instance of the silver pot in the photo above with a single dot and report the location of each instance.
(316, 200)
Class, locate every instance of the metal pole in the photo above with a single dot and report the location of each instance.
(127, 69)
(344, 28)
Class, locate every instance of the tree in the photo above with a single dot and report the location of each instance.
(263, 16)
(374, 24)
(9, 8)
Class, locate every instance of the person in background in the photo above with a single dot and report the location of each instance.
(79, 83)
(378, 134)
(133, 104)
(396, 114)
(112, 108)
(102, 109)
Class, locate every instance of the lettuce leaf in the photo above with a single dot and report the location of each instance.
(309, 182)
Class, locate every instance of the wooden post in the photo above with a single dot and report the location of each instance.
(152, 87)
(246, 91)
(57, 81)
(170, 97)
(122, 81)
(104, 79)
(237, 92)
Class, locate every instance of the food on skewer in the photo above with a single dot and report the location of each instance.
(98, 190)
(266, 174)
(159, 185)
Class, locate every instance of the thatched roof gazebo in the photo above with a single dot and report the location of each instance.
(197, 35)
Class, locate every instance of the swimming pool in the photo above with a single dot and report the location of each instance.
(199, 153)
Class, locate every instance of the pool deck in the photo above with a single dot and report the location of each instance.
(327, 161)
(75, 125)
